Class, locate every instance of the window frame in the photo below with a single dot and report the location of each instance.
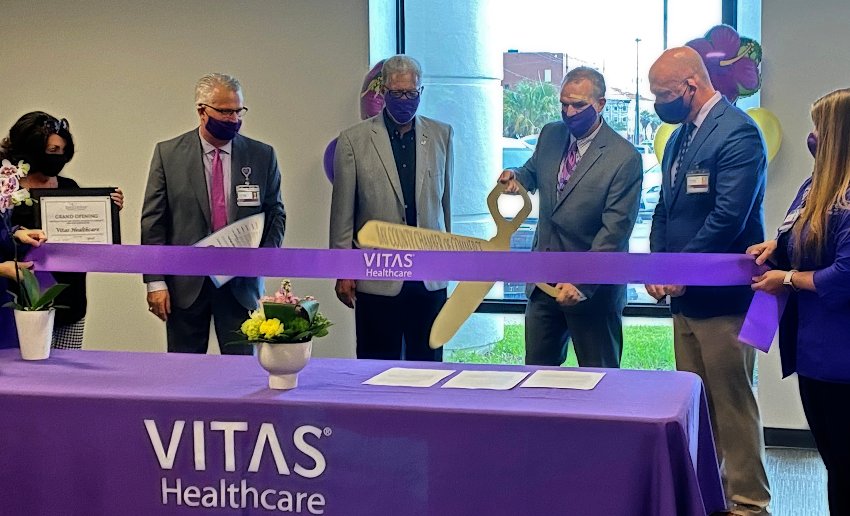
(729, 16)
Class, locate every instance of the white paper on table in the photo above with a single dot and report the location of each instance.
(247, 232)
(582, 380)
(495, 380)
(406, 377)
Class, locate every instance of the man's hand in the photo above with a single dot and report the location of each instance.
(508, 178)
(345, 292)
(674, 290)
(659, 292)
(7, 269)
(568, 294)
(33, 237)
(656, 291)
(159, 303)
(762, 251)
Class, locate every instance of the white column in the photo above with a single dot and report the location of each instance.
(462, 68)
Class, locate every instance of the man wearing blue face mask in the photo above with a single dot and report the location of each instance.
(198, 183)
(713, 184)
(395, 167)
(589, 180)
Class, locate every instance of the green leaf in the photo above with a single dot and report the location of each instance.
(283, 312)
(48, 296)
(29, 286)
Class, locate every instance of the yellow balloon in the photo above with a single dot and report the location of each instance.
(662, 134)
(770, 128)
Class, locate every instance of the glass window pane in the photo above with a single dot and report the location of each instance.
(647, 343)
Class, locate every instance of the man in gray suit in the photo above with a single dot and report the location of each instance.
(589, 179)
(199, 182)
(394, 167)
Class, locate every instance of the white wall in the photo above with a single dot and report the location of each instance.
(123, 73)
(804, 58)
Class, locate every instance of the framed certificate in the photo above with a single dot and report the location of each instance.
(79, 216)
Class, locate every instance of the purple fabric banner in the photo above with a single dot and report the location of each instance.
(698, 269)
(90, 433)
(763, 320)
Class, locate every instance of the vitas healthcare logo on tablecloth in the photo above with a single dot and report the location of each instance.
(212, 447)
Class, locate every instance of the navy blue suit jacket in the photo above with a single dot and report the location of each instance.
(727, 218)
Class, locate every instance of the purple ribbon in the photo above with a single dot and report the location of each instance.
(697, 269)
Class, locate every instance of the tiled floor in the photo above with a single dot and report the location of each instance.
(798, 482)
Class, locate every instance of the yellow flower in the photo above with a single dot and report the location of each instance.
(271, 328)
(251, 328)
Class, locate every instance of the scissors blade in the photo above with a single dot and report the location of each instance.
(462, 303)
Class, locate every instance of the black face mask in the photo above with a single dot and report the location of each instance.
(49, 164)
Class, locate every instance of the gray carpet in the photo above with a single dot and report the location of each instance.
(797, 481)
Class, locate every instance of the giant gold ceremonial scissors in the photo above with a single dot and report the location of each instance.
(468, 294)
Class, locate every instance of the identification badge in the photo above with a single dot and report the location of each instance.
(247, 195)
(697, 181)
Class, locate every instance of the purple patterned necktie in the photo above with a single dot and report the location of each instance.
(568, 165)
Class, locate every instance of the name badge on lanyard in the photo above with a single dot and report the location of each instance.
(696, 181)
(247, 194)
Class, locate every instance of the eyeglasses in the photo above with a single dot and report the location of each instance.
(53, 126)
(228, 112)
(407, 94)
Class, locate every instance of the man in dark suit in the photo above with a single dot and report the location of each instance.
(199, 182)
(713, 182)
(589, 179)
(395, 167)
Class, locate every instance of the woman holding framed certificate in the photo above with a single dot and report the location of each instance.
(46, 144)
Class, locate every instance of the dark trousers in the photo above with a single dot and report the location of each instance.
(825, 404)
(188, 329)
(597, 337)
(398, 327)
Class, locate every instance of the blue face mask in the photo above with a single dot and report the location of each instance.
(580, 123)
(812, 143)
(675, 111)
(221, 129)
(401, 110)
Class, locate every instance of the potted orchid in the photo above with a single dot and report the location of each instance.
(34, 308)
(283, 329)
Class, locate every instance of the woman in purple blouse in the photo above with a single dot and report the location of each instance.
(811, 255)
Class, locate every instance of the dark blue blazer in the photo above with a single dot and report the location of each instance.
(727, 218)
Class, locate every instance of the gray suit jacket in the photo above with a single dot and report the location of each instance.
(367, 187)
(597, 209)
(177, 207)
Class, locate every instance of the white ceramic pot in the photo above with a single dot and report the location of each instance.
(35, 332)
(283, 362)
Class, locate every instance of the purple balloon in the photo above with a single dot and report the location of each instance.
(328, 160)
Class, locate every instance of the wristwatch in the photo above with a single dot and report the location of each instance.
(787, 281)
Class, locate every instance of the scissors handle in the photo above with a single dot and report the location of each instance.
(504, 225)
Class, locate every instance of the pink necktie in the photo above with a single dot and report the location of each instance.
(568, 165)
(218, 205)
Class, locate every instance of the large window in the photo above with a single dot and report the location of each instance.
(539, 50)
(493, 70)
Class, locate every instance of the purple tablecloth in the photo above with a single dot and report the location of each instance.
(100, 433)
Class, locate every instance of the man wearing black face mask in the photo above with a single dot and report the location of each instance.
(589, 179)
(713, 183)
(395, 167)
(198, 183)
